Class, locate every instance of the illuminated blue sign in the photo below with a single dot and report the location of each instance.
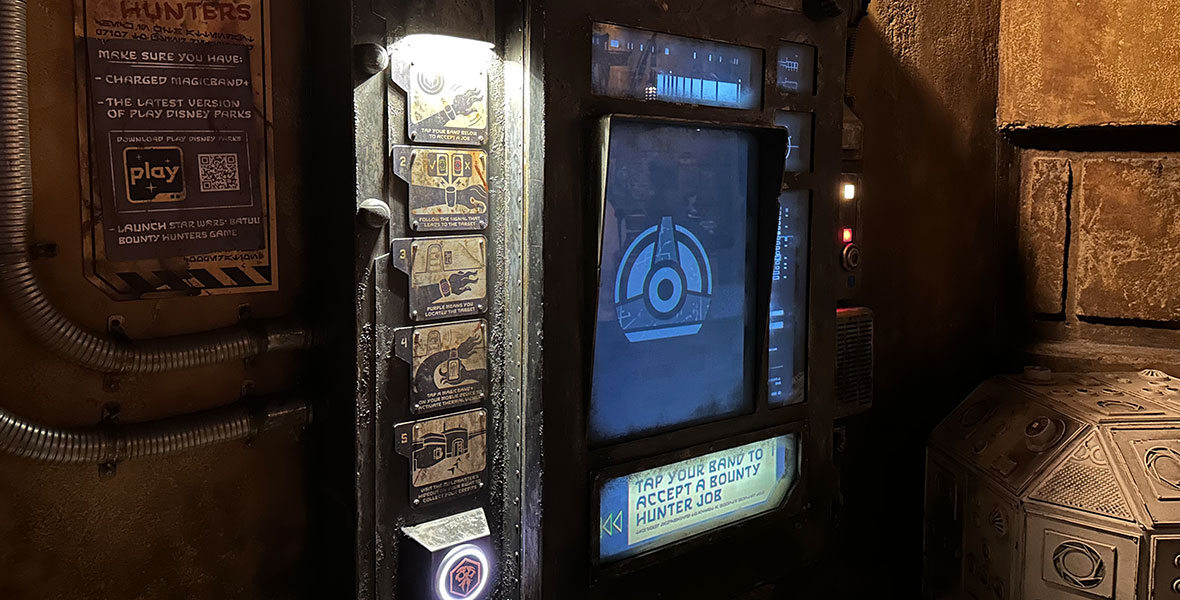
(664, 505)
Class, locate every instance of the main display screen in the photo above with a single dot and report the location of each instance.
(675, 325)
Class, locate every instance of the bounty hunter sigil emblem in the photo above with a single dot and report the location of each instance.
(664, 284)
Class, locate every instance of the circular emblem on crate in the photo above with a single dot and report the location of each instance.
(463, 573)
(1043, 433)
(1120, 404)
(1078, 564)
(1163, 464)
(664, 284)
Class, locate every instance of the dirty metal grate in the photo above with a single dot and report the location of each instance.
(854, 356)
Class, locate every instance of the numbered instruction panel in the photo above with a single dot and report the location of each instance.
(661, 506)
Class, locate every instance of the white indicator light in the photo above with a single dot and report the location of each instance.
(463, 574)
(849, 191)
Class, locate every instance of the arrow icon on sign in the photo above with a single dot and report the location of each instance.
(611, 524)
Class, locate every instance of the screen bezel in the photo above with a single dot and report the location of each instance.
(757, 245)
(767, 185)
(791, 505)
(646, 451)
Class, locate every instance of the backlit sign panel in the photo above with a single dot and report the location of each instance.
(660, 506)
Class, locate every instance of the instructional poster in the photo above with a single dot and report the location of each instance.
(448, 455)
(180, 188)
(448, 275)
(449, 363)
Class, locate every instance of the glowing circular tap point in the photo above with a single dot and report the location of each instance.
(463, 574)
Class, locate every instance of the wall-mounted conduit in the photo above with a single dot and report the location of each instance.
(111, 444)
(104, 443)
(50, 326)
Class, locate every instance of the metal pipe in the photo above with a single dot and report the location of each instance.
(111, 443)
(48, 325)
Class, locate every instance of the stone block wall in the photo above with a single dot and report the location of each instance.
(1128, 238)
(1100, 246)
(1044, 220)
(1069, 63)
(1088, 92)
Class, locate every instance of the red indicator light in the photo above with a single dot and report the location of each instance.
(846, 235)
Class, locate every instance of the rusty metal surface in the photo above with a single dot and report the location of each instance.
(224, 523)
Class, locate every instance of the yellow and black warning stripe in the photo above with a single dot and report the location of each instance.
(191, 281)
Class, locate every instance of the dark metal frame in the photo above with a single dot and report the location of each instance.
(540, 502)
(767, 166)
(764, 420)
(358, 115)
(571, 229)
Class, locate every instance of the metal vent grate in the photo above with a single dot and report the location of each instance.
(854, 356)
(1085, 487)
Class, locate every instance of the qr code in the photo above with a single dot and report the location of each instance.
(218, 172)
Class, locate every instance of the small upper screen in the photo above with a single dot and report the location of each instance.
(799, 149)
(796, 69)
(646, 65)
(673, 339)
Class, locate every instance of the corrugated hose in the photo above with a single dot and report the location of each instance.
(108, 443)
(53, 329)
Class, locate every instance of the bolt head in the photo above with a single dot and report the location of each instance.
(371, 58)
